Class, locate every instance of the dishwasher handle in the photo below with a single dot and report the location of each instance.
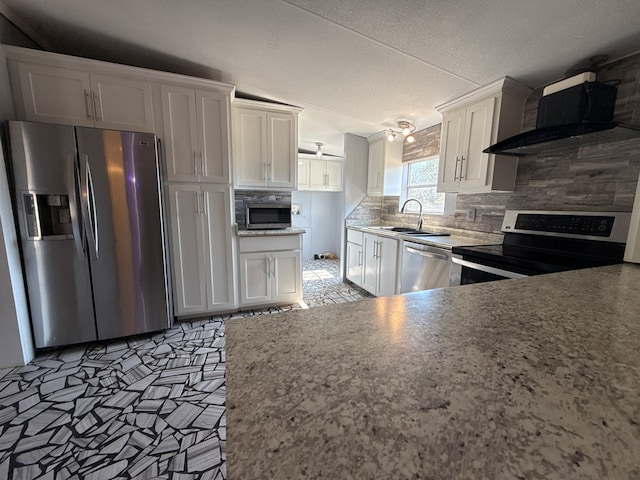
(437, 256)
(487, 269)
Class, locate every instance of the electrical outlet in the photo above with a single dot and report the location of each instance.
(471, 215)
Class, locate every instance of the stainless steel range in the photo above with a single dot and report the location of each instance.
(537, 242)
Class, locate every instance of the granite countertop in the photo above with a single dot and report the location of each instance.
(535, 378)
(462, 239)
(272, 232)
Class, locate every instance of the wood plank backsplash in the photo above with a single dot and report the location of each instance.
(597, 178)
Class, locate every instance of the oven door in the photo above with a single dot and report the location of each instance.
(473, 272)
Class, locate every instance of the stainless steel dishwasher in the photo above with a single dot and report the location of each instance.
(424, 267)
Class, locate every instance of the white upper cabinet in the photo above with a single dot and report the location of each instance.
(384, 175)
(196, 126)
(472, 123)
(265, 145)
(55, 94)
(324, 175)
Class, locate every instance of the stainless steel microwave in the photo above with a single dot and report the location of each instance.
(262, 216)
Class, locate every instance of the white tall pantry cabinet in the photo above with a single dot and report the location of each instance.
(196, 124)
(190, 116)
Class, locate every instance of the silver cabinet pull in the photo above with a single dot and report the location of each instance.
(205, 206)
(461, 163)
(359, 257)
(455, 171)
(87, 94)
(202, 164)
(96, 104)
(195, 165)
(197, 199)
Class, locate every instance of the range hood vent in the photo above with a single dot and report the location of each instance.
(572, 117)
(560, 137)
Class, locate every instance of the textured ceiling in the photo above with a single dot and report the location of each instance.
(353, 65)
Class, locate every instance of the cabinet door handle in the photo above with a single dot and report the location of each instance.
(87, 94)
(359, 257)
(378, 179)
(96, 104)
(267, 264)
(202, 163)
(273, 262)
(197, 199)
(461, 163)
(455, 171)
(195, 165)
(205, 207)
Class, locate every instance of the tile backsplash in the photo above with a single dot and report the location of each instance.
(241, 197)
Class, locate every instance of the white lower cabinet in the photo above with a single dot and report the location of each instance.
(201, 248)
(372, 262)
(380, 264)
(270, 270)
(354, 258)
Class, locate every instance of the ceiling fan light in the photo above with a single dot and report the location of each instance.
(391, 137)
(410, 138)
(406, 131)
(319, 151)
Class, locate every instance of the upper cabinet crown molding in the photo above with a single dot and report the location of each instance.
(277, 107)
(20, 54)
(503, 85)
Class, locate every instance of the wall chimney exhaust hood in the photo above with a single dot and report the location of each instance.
(570, 118)
(572, 135)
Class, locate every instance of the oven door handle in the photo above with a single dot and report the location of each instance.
(487, 269)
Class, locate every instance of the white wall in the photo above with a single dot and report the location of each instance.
(320, 215)
(16, 344)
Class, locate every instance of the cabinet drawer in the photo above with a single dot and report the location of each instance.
(269, 243)
(354, 236)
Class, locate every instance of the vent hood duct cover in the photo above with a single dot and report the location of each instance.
(549, 139)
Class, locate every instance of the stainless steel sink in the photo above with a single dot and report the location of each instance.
(412, 232)
(425, 234)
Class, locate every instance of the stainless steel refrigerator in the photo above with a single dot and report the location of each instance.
(89, 210)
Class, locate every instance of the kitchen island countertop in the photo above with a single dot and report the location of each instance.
(535, 378)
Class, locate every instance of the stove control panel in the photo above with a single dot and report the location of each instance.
(576, 224)
(605, 226)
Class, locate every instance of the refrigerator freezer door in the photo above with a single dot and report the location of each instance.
(122, 207)
(56, 268)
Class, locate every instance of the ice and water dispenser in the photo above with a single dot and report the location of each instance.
(47, 216)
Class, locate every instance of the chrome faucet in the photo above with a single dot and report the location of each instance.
(419, 203)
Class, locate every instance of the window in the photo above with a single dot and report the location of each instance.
(419, 180)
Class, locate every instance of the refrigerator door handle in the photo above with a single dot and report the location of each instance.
(72, 178)
(91, 219)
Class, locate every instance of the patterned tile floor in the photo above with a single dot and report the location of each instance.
(149, 407)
